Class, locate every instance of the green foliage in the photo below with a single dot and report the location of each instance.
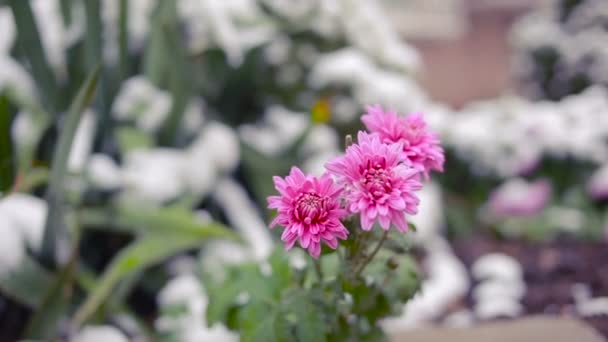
(276, 306)
(54, 229)
(30, 45)
(26, 284)
(7, 153)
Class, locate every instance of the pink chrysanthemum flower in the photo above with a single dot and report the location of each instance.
(421, 146)
(309, 209)
(377, 182)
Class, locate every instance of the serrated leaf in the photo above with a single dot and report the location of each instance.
(259, 322)
(7, 153)
(139, 255)
(310, 325)
(55, 225)
(241, 279)
(282, 274)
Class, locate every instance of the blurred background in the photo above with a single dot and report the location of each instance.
(121, 121)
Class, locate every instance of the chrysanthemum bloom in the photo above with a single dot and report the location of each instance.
(309, 209)
(377, 183)
(421, 146)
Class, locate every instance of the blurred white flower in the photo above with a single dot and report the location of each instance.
(140, 100)
(200, 173)
(243, 215)
(279, 129)
(187, 291)
(7, 27)
(100, 333)
(12, 246)
(24, 130)
(369, 83)
(315, 164)
(321, 138)
(103, 172)
(368, 28)
(277, 51)
(14, 77)
(430, 219)
(194, 116)
(221, 145)
(49, 22)
(498, 308)
(154, 175)
(501, 286)
(22, 219)
(496, 266)
(25, 214)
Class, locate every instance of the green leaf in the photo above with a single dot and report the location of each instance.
(55, 225)
(245, 278)
(282, 275)
(171, 220)
(158, 56)
(94, 28)
(27, 284)
(310, 325)
(130, 138)
(28, 41)
(179, 80)
(7, 155)
(123, 40)
(139, 255)
(259, 322)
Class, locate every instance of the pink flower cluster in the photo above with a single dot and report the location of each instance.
(376, 178)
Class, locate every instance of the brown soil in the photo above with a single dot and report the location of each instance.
(550, 271)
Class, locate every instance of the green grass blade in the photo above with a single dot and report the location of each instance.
(123, 40)
(174, 220)
(55, 225)
(141, 254)
(7, 153)
(30, 44)
(179, 84)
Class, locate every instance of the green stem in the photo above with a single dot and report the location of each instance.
(372, 255)
(317, 265)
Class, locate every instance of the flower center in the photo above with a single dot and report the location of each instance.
(376, 179)
(310, 207)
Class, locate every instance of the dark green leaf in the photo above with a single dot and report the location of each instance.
(55, 226)
(28, 41)
(7, 153)
(179, 80)
(260, 322)
(282, 274)
(141, 254)
(123, 40)
(27, 284)
(242, 279)
(310, 325)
